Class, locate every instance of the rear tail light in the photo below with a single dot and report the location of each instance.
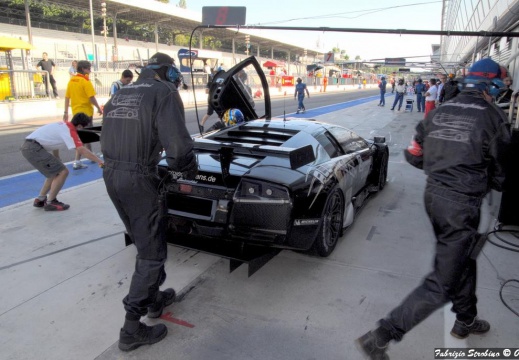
(259, 191)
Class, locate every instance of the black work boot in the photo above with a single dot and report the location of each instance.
(164, 298)
(145, 335)
(461, 330)
(368, 345)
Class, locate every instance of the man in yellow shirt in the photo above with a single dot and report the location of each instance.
(80, 96)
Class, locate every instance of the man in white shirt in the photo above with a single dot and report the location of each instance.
(36, 150)
(431, 96)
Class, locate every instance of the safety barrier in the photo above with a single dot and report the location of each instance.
(22, 84)
(103, 80)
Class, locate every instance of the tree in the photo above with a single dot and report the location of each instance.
(182, 4)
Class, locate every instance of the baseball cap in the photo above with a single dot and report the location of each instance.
(484, 69)
(160, 59)
(484, 75)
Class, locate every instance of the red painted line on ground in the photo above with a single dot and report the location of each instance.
(169, 317)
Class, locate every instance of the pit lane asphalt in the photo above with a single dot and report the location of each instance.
(63, 276)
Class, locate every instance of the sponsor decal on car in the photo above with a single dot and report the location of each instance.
(305, 222)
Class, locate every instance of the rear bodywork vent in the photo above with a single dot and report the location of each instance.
(253, 135)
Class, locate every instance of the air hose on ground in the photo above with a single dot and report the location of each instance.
(510, 246)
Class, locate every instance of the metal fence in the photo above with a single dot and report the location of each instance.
(22, 84)
(30, 84)
(103, 80)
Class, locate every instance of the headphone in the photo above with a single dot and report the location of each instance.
(172, 73)
(492, 86)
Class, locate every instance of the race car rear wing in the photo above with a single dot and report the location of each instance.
(297, 156)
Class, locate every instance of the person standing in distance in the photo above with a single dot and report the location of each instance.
(400, 93)
(450, 89)
(431, 96)
(460, 170)
(81, 96)
(72, 70)
(382, 86)
(131, 142)
(420, 89)
(126, 78)
(48, 65)
(300, 94)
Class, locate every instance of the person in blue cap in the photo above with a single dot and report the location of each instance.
(462, 146)
(300, 94)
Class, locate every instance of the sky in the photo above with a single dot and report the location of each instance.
(372, 14)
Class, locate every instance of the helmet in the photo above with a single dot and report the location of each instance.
(484, 75)
(233, 117)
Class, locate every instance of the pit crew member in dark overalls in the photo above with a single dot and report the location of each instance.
(462, 147)
(139, 121)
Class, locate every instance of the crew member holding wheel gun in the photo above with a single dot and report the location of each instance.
(462, 147)
(139, 121)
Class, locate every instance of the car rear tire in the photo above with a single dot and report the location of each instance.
(331, 226)
(382, 171)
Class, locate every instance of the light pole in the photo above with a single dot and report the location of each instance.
(94, 60)
(105, 32)
(114, 29)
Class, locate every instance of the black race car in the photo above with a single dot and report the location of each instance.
(266, 184)
(277, 183)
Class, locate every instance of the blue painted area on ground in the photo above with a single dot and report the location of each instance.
(335, 107)
(27, 186)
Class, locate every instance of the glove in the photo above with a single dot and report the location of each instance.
(416, 161)
(201, 128)
(190, 173)
(414, 154)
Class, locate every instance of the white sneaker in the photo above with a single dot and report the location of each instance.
(79, 165)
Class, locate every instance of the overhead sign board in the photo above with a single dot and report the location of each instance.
(395, 61)
(404, 70)
(329, 58)
(223, 15)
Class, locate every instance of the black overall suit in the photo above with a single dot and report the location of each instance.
(139, 121)
(464, 145)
